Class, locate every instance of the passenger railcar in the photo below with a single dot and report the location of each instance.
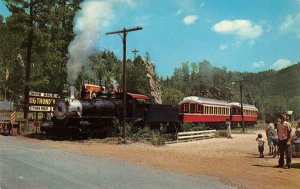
(197, 109)
(250, 114)
(214, 112)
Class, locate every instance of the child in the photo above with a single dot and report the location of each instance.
(261, 144)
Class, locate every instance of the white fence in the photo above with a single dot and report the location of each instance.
(195, 135)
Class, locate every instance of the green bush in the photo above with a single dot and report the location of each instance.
(193, 127)
(149, 135)
(156, 139)
(25, 130)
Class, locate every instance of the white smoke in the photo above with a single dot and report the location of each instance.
(92, 17)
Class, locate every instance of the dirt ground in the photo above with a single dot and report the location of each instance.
(232, 161)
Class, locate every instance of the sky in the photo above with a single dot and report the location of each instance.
(241, 35)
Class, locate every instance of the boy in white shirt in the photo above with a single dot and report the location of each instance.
(261, 144)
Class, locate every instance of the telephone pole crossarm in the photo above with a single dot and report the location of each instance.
(124, 30)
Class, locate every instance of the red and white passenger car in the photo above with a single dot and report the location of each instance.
(250, 113)
(215, 112)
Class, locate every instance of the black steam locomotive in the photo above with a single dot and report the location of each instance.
(97, 114)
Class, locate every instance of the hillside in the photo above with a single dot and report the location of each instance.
(271, 91)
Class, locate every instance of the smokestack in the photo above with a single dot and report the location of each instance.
(72, 92)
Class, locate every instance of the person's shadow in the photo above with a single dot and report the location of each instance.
(293, 166)
(255, 155)
(258, 165)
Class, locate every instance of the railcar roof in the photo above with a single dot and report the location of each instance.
(202, 100)
(245, 106)
(138, 96)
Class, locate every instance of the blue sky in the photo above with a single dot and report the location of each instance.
(241, 35)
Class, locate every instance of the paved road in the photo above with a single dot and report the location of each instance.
(24, 165)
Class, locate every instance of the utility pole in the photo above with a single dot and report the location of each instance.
(134, 53)
(242, 108)
(124, 32)
(28, 61)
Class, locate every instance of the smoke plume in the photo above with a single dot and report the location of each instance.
(92, 17)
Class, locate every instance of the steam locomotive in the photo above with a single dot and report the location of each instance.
(96, 114)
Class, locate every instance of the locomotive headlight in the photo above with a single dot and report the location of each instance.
(60, 109)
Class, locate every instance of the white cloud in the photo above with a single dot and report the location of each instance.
(258, 64)
(223, 46)
(243, 29)
(291, 24)
(191, 19)
(281, 63)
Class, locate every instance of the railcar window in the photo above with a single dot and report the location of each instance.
(182, 108)
(206, 109)
(185, 108)
(200, 108)
(233, 111)
(193, 108)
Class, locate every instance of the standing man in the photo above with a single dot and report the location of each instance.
(228, 127)
(284, 130)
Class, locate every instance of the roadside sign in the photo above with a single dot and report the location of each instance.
(42, 102)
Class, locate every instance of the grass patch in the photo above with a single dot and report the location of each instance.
(221, 134)
(26, 130)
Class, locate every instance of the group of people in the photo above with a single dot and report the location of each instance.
(279, 137)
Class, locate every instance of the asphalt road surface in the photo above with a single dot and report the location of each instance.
(24, 165)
